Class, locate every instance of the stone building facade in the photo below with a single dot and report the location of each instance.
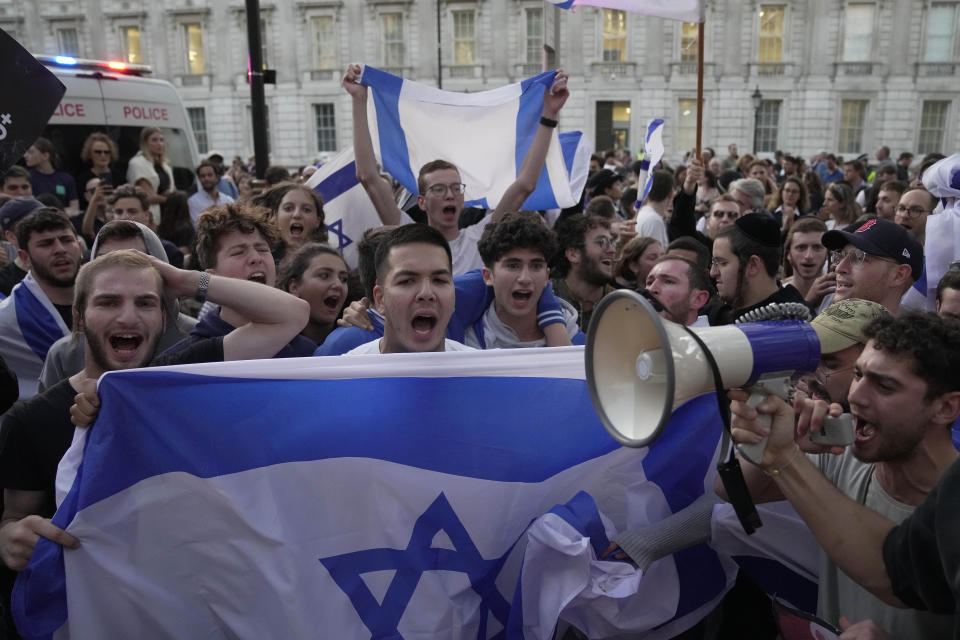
(838, 75)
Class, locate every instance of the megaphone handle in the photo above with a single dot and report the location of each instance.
(754, 452)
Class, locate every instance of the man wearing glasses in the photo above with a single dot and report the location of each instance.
(913, 209)
(440, 185)
(878, 261)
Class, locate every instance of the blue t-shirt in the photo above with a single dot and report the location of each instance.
(58, 183)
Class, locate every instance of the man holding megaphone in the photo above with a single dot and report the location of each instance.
(904, 399)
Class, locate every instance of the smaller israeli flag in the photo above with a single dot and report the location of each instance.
(486, 135)
(347, 209)
(652, 153)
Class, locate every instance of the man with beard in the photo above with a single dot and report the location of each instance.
(888, 195)
(120, 310)
(209, 194)
(912, 210)
(904, 397)
(583, 265)
(37, 313)
(878, 261)
(682, 289)
(746, 258)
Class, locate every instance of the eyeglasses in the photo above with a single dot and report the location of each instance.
(101, 151)
(718, 263)
(733, 215)
(440, 190)
(604, 242)
(911, 212)
(822, 373)
(856, 257)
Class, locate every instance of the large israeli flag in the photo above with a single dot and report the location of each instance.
(486, 135)
(367, 496)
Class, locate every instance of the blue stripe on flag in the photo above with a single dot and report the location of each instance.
(921, 284)
(777, 580)
(338, 182)
(393, 142)
(563, 4)
(410, 438)
(528, 123)
(39, 328)
(569, 141)
(581, 513)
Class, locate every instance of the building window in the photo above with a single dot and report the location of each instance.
(68, 42)
(324, 42)
(768, 124)
(326, 127)
(853, 115)
(464, 37)
(941, 25)
(534, 39)
(264, 46)
(686, 124)
(193, 48)
(198, 122)
(613, 125)
(771, 33)
(130, 44)
(614, 35)
(933, 121)
(391, 39)
(688, 41)
(858, 33)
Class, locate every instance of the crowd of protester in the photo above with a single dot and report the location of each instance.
(111, 270)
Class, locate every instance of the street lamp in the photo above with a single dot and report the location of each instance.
(756, 98)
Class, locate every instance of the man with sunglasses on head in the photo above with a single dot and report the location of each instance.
(439, 183)
(877, 261)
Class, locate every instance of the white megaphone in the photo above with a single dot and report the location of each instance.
(640, 367)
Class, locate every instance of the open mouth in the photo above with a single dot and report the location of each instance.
(522, 296)
(125, 343)
(423, 324)
(865, 431)
(332, 302)
(259, 276)
(296, 230)
(450, 210)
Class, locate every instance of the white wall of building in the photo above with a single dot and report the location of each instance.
(811, 80)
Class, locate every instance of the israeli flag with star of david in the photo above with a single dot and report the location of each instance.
(486, 135)
(347, 209)
(367, 497)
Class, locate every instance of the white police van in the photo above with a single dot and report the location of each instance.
(115, 98)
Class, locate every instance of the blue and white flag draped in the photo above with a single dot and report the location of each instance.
(486, 135)
(347, 209)
(356, 497)
(942, 243)
(652, 153)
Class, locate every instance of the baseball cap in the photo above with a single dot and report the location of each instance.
(878, 237)
(601, 180)
(212, 153)
(841, 324)
(13, 211)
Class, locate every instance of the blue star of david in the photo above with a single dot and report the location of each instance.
(410, 563)
(342, 239)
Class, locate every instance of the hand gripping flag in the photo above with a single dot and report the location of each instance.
(486, 135)
(366, 496)
(347, 209)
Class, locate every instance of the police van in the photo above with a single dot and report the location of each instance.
(116, 98)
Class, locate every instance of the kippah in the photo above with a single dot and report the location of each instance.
(761, 228)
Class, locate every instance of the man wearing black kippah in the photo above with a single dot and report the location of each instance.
(746, 257)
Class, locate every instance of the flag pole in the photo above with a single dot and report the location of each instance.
(700, 32)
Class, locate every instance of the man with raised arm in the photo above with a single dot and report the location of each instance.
(439, 182)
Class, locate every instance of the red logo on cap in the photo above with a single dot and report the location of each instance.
(866, 225)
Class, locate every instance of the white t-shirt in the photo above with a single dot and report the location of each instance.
(650, 224)
(463, 248)
(374, 347)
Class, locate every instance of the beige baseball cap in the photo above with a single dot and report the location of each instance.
(841, 324)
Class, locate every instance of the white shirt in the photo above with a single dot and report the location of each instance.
(650, 224)
(201, 201)
(463, 248)
(374, 347)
